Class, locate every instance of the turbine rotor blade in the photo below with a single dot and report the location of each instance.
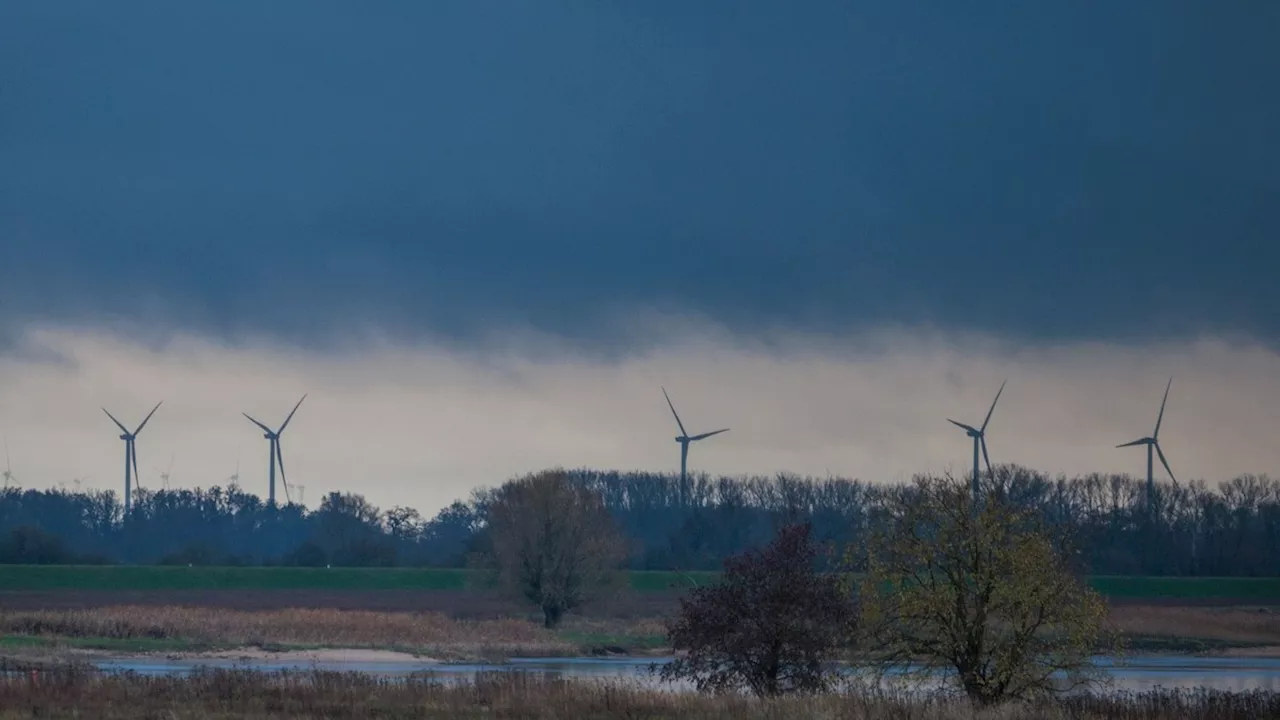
(133, 447)
(707, 435)
(119, 424)
(1165, 463)
(993, 406)
(280, 462)
(291, 412)
(1143, 441)
(147, 418)
(1160, 417)
(673, 412)
(963, 426)
(255, 422)
(985, 456)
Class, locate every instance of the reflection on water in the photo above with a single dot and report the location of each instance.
(1136, 673)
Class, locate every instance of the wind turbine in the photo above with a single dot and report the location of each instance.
(979, 436)
(130, 454)
(684, 439)
(8, 470)
(165, 474)
(273, 436)
(1153, 442)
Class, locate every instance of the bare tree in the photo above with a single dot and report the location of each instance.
(553, 541)
(983, 593)
(772, 624)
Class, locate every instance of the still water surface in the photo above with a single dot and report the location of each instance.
(1136, 673)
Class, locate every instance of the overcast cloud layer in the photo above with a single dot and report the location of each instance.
(422, 425)
(1067, 170)
(827, 225)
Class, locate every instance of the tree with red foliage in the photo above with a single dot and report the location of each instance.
(772, 624)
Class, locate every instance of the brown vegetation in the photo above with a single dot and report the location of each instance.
(239, 694)
(461, 604)
(612, 626)
(429, 634)
(1258, 626)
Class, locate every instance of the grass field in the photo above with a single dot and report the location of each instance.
(1260, 591)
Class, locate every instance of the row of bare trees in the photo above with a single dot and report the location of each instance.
(1226, 529)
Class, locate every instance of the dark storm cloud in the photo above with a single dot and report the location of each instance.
(1081, 169)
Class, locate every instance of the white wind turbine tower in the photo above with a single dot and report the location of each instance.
(685, 440)
(165, 474)
(979, 436)
(1153, 444)
(131, 454)
(8, 469)
(234, 479)
(276, 456)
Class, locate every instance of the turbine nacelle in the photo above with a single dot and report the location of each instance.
(979, 436)
(684, 438)
(1153, 443)
(276, 454)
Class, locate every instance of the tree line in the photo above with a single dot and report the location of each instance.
(1195, 529)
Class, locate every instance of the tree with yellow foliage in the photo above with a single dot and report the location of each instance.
(982, 594)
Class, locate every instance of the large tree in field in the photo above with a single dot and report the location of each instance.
(553, 541)
(983, 593)
(772, 624)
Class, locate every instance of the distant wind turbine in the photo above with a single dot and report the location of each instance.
(130, 454)
(979, 436)
(1153, 442)
(166, 474)
(8, 469)
(684, 439)
(273, 436)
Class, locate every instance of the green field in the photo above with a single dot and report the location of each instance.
(142, 577)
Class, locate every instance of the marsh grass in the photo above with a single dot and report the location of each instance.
(342, 696)
(175, 628)
(193, 628)
(1214, 626)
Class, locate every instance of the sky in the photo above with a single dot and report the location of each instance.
(482, 235)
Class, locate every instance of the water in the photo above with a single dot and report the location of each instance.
(1137, 673)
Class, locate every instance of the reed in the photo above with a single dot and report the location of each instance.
(342, 696)
(429, 634)
(1257, 625)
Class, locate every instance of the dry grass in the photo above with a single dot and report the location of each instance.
(1240, 625)
(429, 634)
(342, 696)
(437, 635)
